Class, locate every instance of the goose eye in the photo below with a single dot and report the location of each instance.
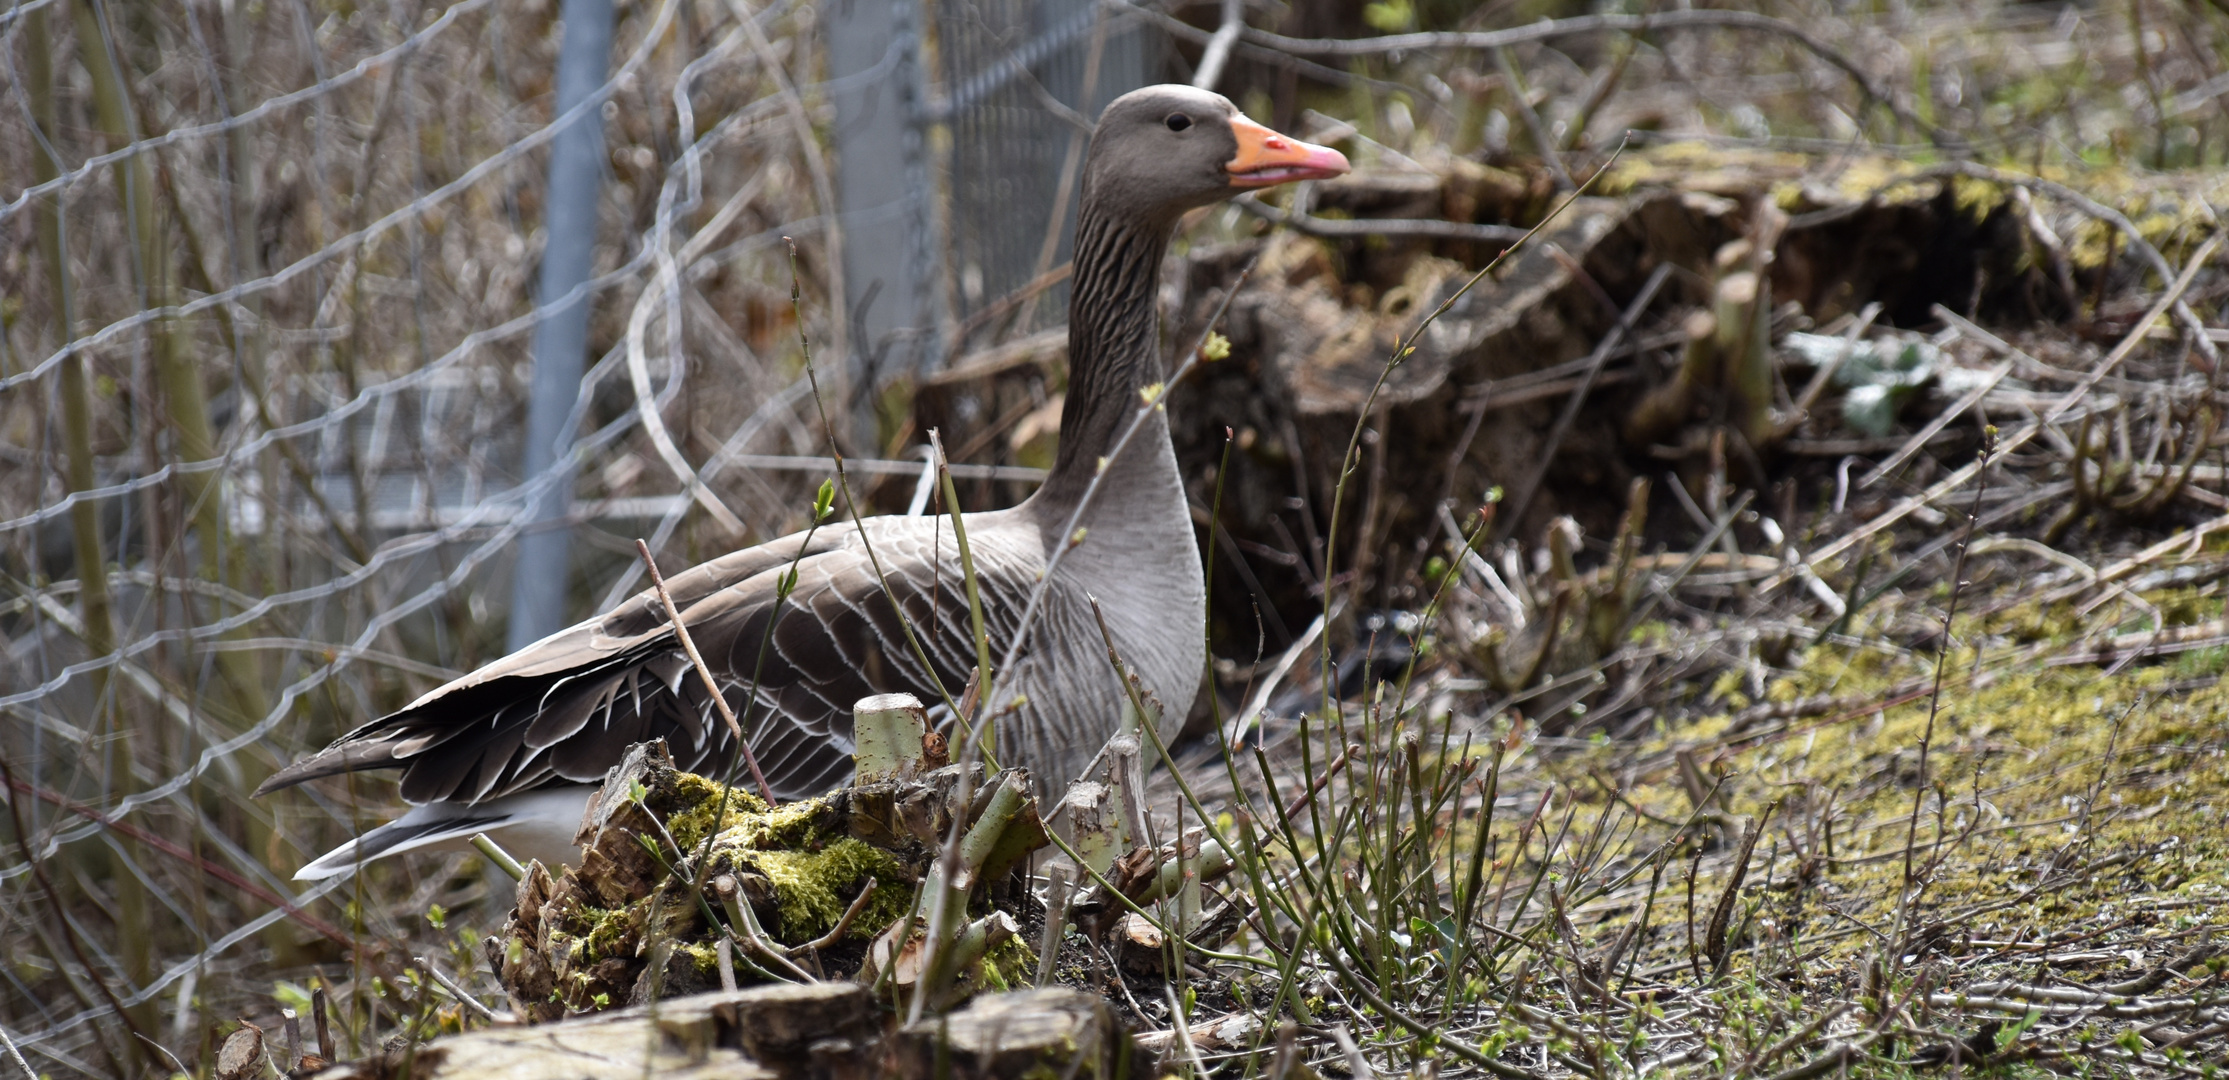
(1178, 121)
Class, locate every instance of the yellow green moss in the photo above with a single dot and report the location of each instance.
(812, 888)
(787, 826)
(705, 958)
(2173, 212)
(1976, 197)
(697, 799)
(2053, 792)
(606, 931)
(814, 876)
(2020, 767)
(1009, 965)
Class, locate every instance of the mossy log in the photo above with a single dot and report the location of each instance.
(685, 884)
(642, 916)
(787, 1032)
(776, 1032)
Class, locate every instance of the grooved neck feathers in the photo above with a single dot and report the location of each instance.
(1112, 344)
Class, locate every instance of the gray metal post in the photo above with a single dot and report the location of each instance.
(561, 338)
(882, 188)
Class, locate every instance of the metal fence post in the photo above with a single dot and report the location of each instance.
(561, 339)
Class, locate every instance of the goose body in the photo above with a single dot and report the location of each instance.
(514, 748)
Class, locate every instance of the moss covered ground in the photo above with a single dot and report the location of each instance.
(2015, 851)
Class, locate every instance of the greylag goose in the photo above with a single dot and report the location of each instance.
(513, 748)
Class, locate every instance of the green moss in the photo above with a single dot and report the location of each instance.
(1009, 965)
(705, 958)
(2027, 764)
(603, 933)
(1976, 198)
(697, 799)
(812, 888)
(787, 826)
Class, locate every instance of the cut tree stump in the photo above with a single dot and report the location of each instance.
(575, 940)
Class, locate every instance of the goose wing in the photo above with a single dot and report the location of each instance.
(564, 709)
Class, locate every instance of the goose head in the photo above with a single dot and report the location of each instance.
(1162, 150)
(1155, 153)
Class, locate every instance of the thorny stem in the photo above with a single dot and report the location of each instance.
(1905, 898)
(1348, 459)
(1251, 852)
(936, 927)
(1432, 611)
(783, 586)
(1439, 1038)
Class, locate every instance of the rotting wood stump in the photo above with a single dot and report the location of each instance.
(686, 884)
(903, 887)
(788, 1032)
(793, 888)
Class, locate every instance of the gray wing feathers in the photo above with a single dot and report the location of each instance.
(565, 708)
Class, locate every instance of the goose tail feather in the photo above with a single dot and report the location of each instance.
(532, 825)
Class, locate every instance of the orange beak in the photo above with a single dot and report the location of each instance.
(1266, 158)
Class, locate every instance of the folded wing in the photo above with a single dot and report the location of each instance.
(564, 709)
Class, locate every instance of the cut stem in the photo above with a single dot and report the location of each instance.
(501, 858)
(986, 733)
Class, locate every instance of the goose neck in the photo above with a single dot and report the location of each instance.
(1112, 342)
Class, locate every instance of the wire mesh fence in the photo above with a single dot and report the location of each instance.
(1018, 144)
(267, 294)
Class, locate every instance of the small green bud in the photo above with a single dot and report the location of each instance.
(824, 503)
(1216, 347)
